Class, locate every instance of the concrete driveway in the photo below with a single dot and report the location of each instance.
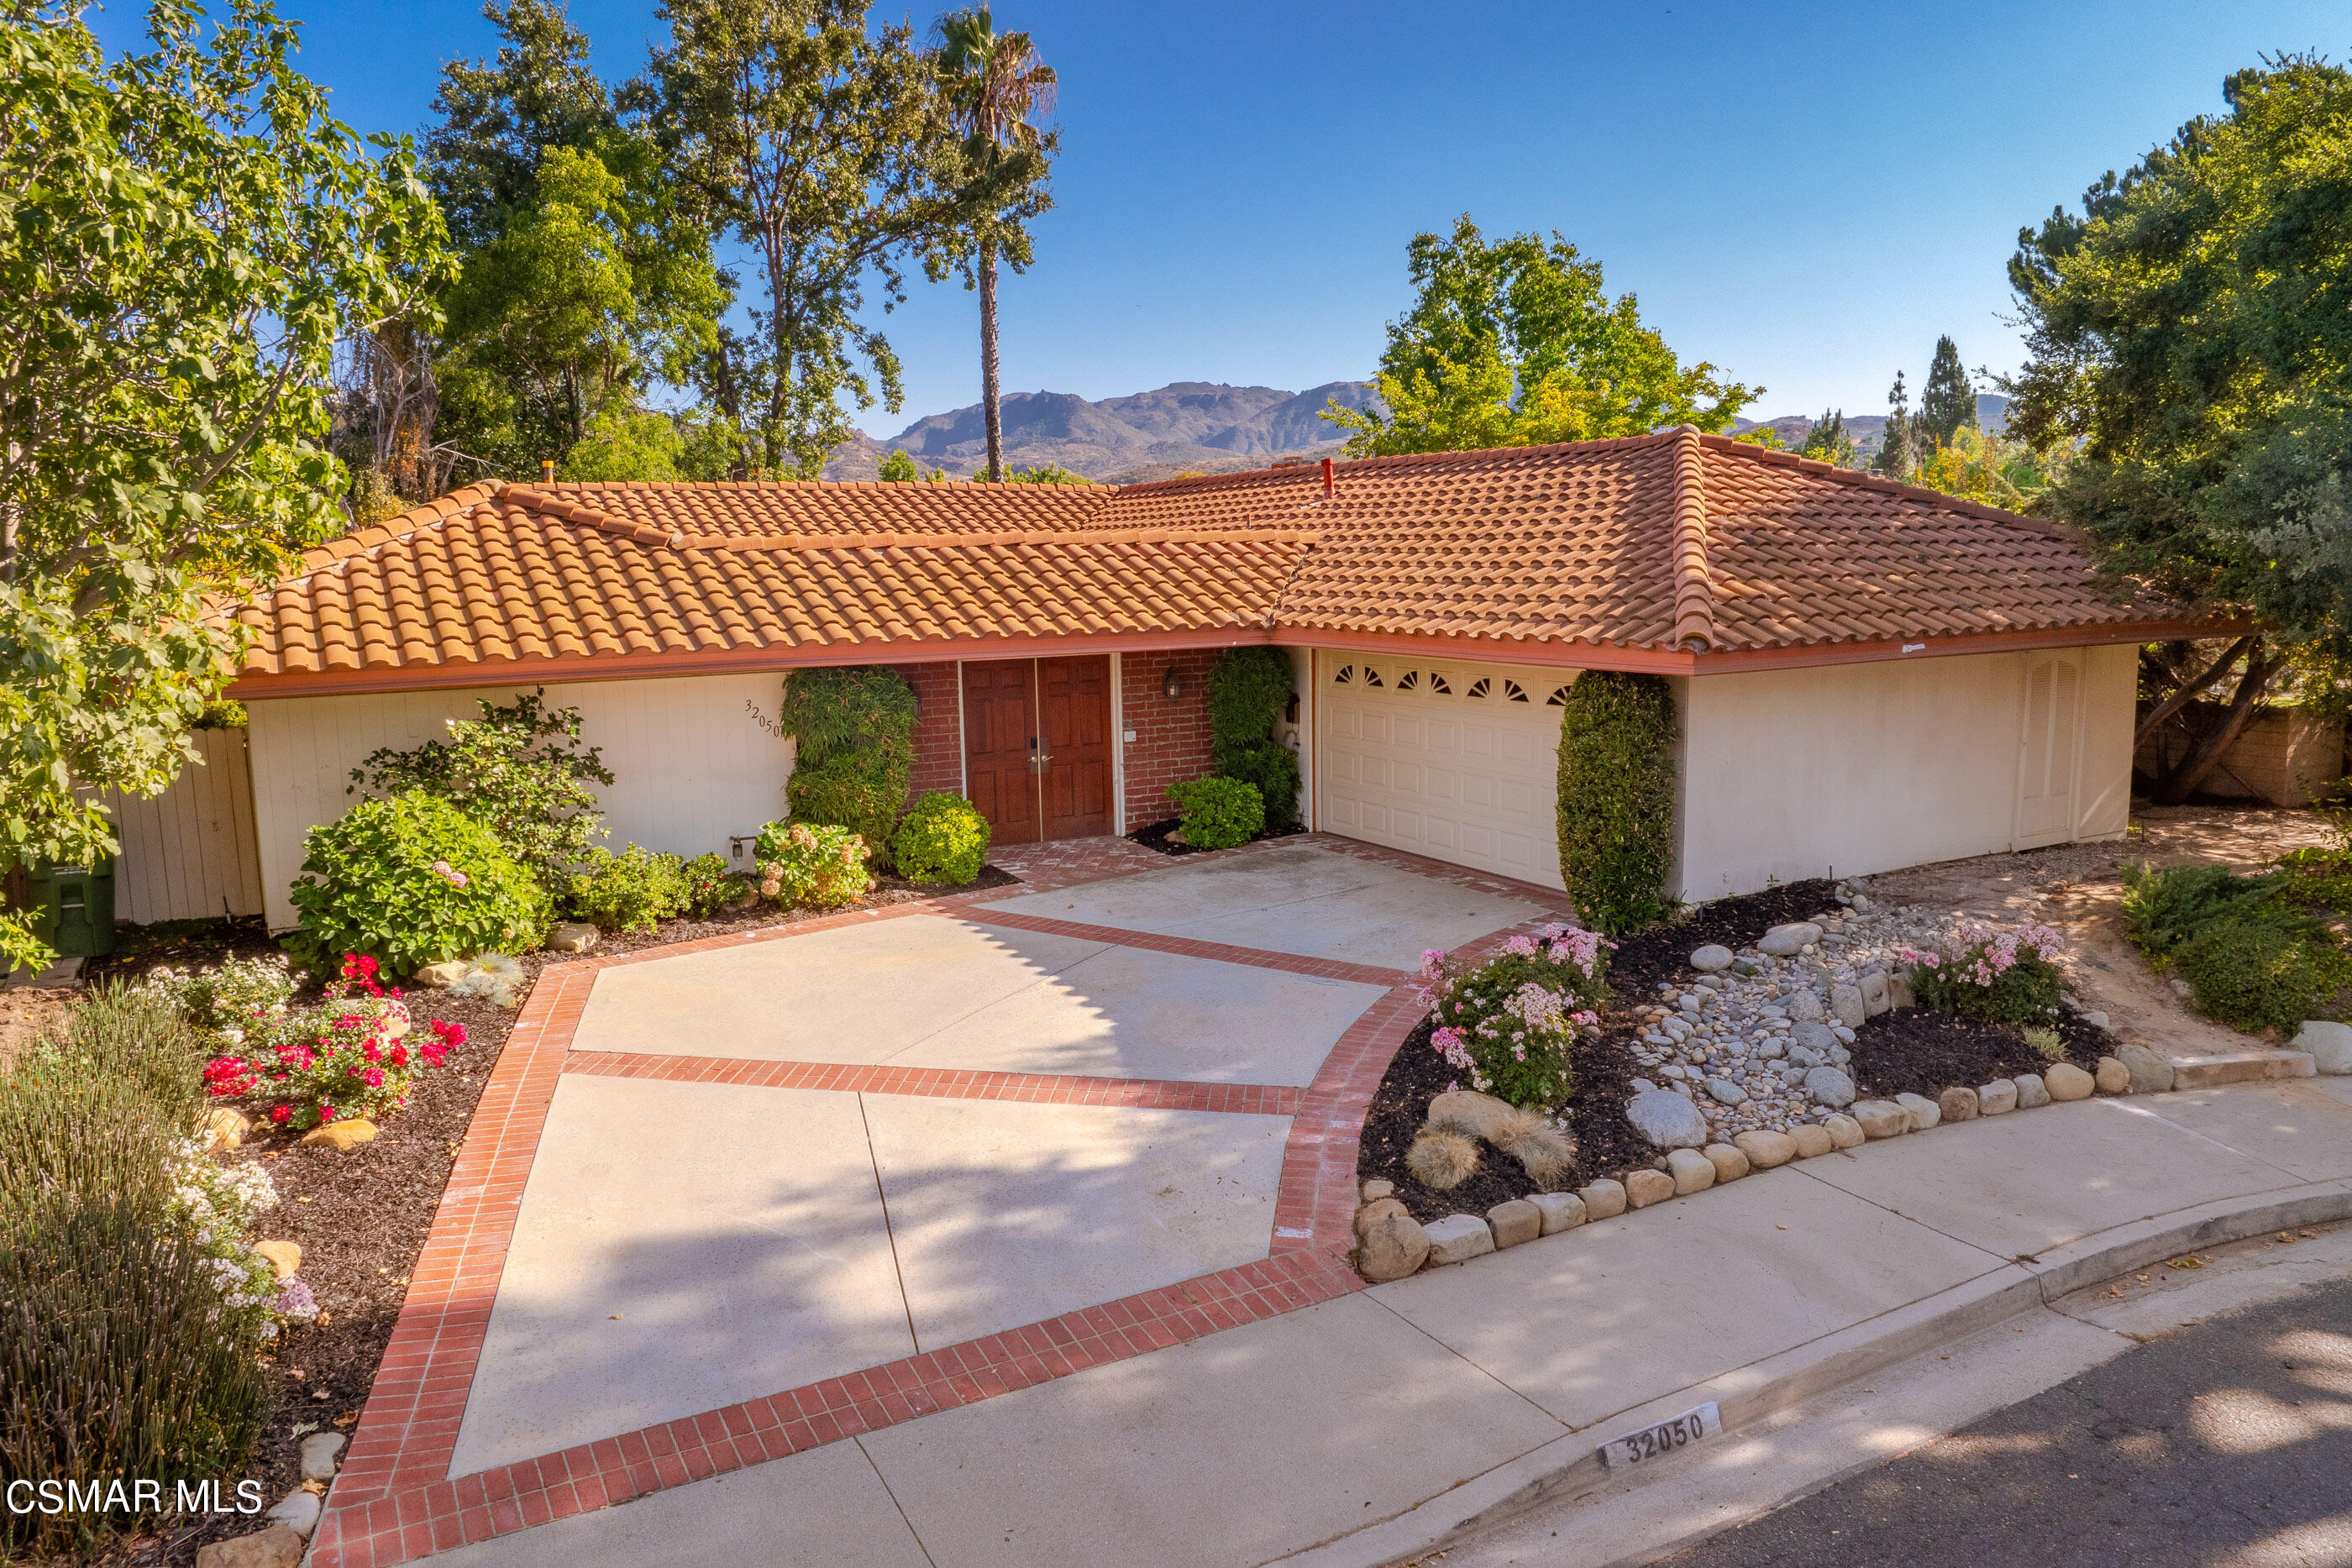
(687, 1241)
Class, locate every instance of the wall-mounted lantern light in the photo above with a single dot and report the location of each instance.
(1172, 686)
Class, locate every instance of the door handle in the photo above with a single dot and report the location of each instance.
(1038, 756)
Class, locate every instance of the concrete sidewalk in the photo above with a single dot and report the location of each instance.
(1364, 1430)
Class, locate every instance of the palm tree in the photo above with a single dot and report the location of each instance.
(997, 87)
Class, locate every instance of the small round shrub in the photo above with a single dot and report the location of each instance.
(633, 891)
(2258, 974)
(708, 887)
(2001, 976)
(411, 881)
(1507, 1023)
(805, 865)
(943, 839)
(1218, 813)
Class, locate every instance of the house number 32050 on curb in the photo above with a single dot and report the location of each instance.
(1656, 1442)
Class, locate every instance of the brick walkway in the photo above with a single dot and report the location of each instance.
(395, 1500)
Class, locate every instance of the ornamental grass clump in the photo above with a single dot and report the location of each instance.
(132, 1317)
(1508, 1023)
(806, 866)
(409, 882)
(944, 839)
(2001, 976)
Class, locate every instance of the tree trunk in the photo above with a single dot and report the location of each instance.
(2182, 780)
(2190, 688)
(993, 411)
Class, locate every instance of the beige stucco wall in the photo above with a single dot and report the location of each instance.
(1859, 769)
(691, 764)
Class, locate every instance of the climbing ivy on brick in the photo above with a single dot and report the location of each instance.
(1617, 798)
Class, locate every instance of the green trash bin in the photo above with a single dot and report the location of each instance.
(73, 907)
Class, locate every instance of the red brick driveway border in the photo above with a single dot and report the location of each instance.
(394, 1501)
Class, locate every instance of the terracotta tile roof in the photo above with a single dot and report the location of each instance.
(1673, 542)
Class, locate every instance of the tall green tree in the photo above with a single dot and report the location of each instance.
(2190, 336)
(1518, 343)
(1900, 448)
(830, 152)
(185, 235)
(997, 90)
(584, 283)
(1947, 399)
(1828, 440)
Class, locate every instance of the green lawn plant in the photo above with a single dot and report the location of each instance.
(944, 839)
(1249, 690)
(408, 881)
(803, 866)
(853, 731)
(633, 891)
(519, 770)
(1218, 813)
(131, 1320)
(1617, 798)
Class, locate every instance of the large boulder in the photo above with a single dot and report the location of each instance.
(1646, 1188)
(1879, 1119)
(1666, 1119)
(2330, 1044)
(1458, 1237)
(2033, 1093)
(2112, 1076)
(2149, 1074)
(2067, 1082)
(1919, 1112)
(1828, 1086)
(1393, 1247)
(1957, 1105)
(1766, 1149)
(1996, 1097)
(1846, 1004)
(1786, 941)
(1514, 1220)
(1603, 1199)
(1713, 958)
(1692, 1171)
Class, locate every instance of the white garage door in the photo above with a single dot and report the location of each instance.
(1458, 762)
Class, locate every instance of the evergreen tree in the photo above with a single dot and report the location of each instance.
(1947, 400)
(1898, 451)
(1828, 440)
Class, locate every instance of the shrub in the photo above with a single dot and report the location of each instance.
(708, 886)
(1249, 688)
(633, 891)
(1508, 1023)
(356, 1054)
(519, 771)
(2003, 976)
(854, 732)
(2254, 974)
(408, 881)
(943, 839)
(1617, 798)
(1218, 813)
(2164, 908)
(238, 997)
(130, 1333)
(811, 867)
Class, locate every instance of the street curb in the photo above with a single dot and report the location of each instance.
(1568, 1466)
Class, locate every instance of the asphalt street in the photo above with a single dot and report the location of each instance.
(2226, 1444)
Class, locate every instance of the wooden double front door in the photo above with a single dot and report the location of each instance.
(1037, 746)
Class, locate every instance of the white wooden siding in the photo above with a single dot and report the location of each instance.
(691, 765)
(190, 853)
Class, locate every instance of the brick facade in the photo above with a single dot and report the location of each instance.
(938, 730)
(1171, 737)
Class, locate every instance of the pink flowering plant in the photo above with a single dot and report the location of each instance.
(2001, 976)
(808, 866)
(1508, 1023)
(357, 1054)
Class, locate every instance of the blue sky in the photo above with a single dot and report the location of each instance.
(1805, 195)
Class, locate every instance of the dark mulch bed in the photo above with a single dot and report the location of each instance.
(1155, 836)
(1606, 1143)
(362, 1218)
(1919, 1050)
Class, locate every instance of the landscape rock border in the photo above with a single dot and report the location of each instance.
(1392, 1245)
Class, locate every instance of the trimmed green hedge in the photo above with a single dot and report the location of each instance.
(854, 730)
(1218, 813)
(943, 839)
(1249, 688)
(409, 882)
(1617, 798)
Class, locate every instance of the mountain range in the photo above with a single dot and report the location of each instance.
(1869, 430)
(1199, 427)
